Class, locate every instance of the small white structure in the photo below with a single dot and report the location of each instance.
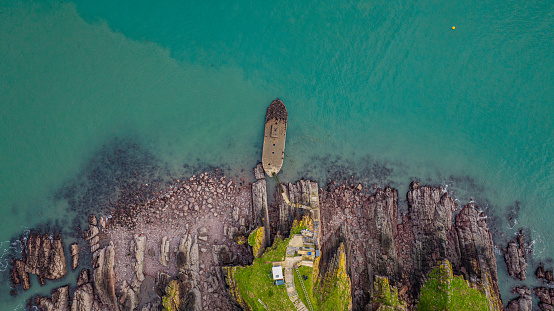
(277, 273)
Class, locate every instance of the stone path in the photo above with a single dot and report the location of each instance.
(288, 265)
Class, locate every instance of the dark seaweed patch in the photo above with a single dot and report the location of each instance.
(120, 167)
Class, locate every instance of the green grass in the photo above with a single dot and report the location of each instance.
(443, 291)
(255, 281)
(337, 295)
(309, 284)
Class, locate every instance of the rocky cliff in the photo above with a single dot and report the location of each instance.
(405, 248)
(171, 250)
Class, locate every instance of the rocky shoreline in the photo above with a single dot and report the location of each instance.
(176, 244)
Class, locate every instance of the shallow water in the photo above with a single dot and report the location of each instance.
(98, 93)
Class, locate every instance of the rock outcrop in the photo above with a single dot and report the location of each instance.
(516, 261)
(546, 297)
(44, 256)
(19, 275)
(58, 302)
(545, 275)
(474, 253)
(83, 299)
(91, 235)
(164, 251)
(138, 249)
(104, 277)
(523, 302)
(405, 248)
(74, 250)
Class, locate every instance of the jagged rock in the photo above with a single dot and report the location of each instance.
(539, 273)
(203, 238)
(102, 222)
(151, 306)
(515, 258)
(164, 254)
(90, 233)
(94, 248)
(92, 220)
(45, 257)
(84, 277)
(431, 212)
(259, 203)
(259, 171)
(74, 249)
(221, 254)
(94, 240)
(548, 276)
(130, 298)
(139, 246)
(523, 302)
(476, 252)
(187, 256)
(104, 277)
(83, 299)
(19, 275)
(546, 298)
(58, 302)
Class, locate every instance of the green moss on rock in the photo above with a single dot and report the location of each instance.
(444, 291)
(171, 300)
(385, 296)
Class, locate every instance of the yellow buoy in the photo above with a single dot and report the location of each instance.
(453, 27)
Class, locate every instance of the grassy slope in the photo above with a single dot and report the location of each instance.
(309, 284)
(443, 291)
(255, 281)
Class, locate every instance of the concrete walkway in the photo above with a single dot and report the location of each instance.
(288, 266)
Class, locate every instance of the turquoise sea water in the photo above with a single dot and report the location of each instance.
(384, 91)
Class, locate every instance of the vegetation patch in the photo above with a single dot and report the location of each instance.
(385, 296)
(256, 282)
(333, 291)
(444, 291)
(308, 284)
(298, 226)
(256, 239)
(171, 300)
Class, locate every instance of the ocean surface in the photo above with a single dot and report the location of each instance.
(98, 94)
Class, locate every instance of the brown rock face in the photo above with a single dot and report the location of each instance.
(83, 299)
(104, 277)
(376, 244)
(43, 256)
(19, 275)
(74, 250)
(515, 258)
(430, 212)
(58, 302)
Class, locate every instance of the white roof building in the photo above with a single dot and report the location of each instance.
(277, 273)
